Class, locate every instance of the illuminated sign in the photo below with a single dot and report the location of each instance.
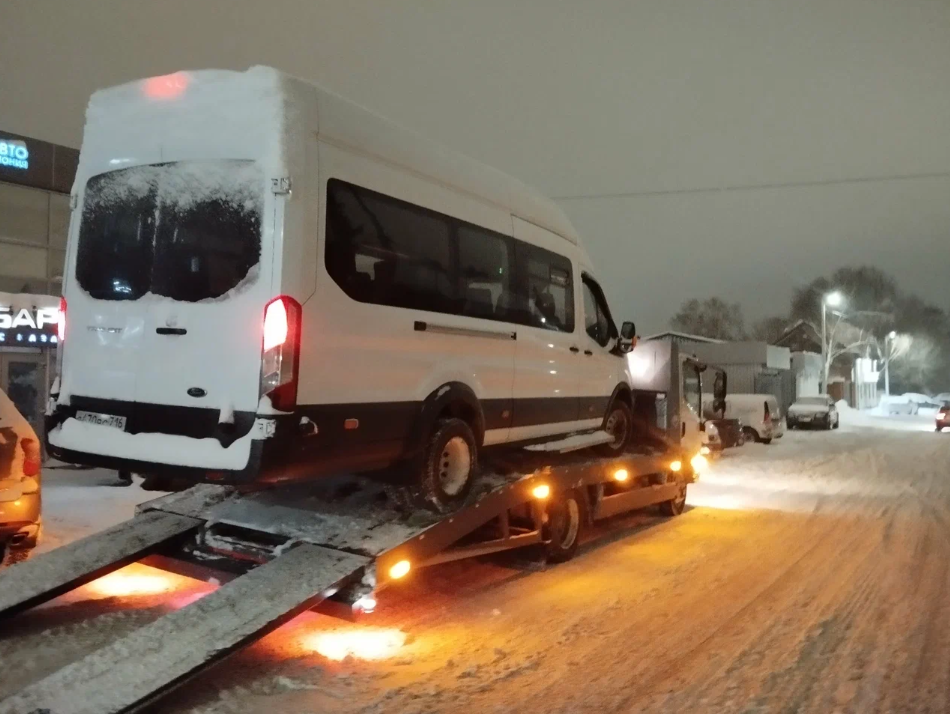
(28, 327)
(13, 153)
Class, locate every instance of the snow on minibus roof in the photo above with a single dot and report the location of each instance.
(215, 114)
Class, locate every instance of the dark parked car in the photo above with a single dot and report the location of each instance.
(817, 411)
(730, 432)
(20, 465)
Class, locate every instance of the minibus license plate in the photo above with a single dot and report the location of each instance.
(117, 422)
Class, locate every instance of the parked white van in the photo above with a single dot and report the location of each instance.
(759, 414)
(266, 282)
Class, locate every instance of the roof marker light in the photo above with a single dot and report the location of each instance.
(166, 86)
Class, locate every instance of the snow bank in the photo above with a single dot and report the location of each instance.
(908, 403)
(874, 418)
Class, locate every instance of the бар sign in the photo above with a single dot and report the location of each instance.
(14, 153)
(28, 327)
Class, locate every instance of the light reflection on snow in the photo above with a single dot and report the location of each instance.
(365, 643)
(137, 579)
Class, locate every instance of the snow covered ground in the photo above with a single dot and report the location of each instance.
(78, 502)
(809, 575)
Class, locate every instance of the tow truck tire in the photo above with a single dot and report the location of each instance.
(675, 506)
(750, 434)
(565, 520)
(449, 465)
(619, 423)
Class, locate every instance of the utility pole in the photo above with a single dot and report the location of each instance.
(834, 299)
(888, 339)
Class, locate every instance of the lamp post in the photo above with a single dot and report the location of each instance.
(887, 362)
(834, 299)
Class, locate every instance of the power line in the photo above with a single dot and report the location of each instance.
(755, 187)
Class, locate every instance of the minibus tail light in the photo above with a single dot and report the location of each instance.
(61, 320)
(280, 352)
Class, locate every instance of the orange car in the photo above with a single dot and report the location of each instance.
(20, 467)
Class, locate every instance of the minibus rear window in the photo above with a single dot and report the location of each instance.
(188, 231)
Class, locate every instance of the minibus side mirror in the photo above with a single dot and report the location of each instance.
(628, 337)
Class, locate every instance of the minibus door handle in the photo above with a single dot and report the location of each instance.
(171, 330)
(575, 349)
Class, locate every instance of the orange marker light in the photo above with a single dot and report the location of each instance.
(541, 492)
(399, 570)
(621, 475)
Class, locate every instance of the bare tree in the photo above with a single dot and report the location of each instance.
(843, 339)
(713, 317)
(919, 366)
(769, 329)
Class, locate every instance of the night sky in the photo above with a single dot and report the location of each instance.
(729, 148)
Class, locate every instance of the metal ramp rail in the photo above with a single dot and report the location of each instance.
(138, 668)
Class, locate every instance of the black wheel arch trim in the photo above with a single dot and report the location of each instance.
(455, 398)
(621, 391)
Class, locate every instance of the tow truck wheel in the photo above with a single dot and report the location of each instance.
(618, 423)
(448, 466)
(675, 506)
(563, 520)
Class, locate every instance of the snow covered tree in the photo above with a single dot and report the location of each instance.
(713, 317)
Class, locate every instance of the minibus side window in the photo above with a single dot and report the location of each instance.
(485, 270)
(545, 288)
(385, 251)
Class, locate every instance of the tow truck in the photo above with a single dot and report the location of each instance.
(332, 546)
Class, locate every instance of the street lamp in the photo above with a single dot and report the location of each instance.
(887, 361)
(834, 299)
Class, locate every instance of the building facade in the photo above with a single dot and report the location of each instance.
(35, 181)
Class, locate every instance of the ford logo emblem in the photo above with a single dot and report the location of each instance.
(196, 392)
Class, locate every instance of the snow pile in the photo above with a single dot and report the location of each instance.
(875, 418)
(908, 403)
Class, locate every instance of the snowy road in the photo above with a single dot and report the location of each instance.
(808, 575)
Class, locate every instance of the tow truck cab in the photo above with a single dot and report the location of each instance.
(667, 384)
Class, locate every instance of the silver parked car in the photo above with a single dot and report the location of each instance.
(20, 476)
(817, 411)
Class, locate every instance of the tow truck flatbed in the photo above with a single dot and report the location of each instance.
(327, 546)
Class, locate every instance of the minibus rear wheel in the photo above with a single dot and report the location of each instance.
(449, 465)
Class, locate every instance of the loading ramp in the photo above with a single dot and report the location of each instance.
(286, 550)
